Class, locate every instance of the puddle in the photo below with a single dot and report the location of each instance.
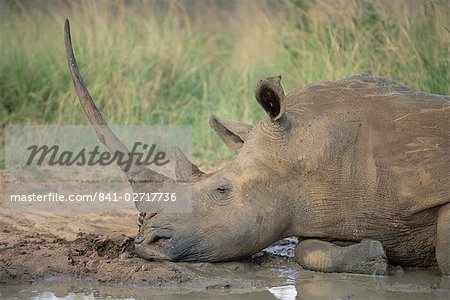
(413, 284)
(270, 274)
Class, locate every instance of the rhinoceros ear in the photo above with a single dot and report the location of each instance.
(232, 133)
(270, 96)
(184, 168)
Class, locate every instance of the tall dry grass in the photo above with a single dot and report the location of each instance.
(176, 62)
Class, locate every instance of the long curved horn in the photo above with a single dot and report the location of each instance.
(106, 136)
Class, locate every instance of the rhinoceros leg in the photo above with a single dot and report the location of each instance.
(366, 257)
(443, 240)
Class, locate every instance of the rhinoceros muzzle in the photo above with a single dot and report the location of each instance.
(153, 246)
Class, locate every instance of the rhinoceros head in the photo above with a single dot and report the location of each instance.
(235, 209)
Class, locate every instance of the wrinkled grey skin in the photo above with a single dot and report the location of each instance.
(361, 162)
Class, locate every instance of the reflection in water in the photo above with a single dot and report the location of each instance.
(51, 296)
(413, 284)
(287, 292)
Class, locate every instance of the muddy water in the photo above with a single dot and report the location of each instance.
(290, 284)
(271, 275)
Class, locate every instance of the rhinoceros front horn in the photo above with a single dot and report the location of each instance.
(270, 95)
(137, 174)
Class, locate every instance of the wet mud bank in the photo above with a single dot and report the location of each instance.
(74, 262)
(36, 257)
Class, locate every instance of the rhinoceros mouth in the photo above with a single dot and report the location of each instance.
(153, 247)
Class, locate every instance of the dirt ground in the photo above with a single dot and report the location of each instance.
(36, 248)
(99, 248)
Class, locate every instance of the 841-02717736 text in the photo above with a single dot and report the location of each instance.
(93, 197)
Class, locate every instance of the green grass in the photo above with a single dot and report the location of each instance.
(178, 62)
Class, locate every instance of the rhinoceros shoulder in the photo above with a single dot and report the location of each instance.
(365, 92)
(399, 134)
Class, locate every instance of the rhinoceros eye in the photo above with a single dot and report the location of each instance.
(222, 189)
(221, 195)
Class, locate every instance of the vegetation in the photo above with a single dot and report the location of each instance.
(177, 62)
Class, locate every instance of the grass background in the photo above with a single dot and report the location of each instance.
(177, 62)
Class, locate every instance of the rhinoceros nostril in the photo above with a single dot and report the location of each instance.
(150, 215)
(153, 247)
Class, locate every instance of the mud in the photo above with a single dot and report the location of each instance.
(28, 257)
(99, 248)
(93, 254)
